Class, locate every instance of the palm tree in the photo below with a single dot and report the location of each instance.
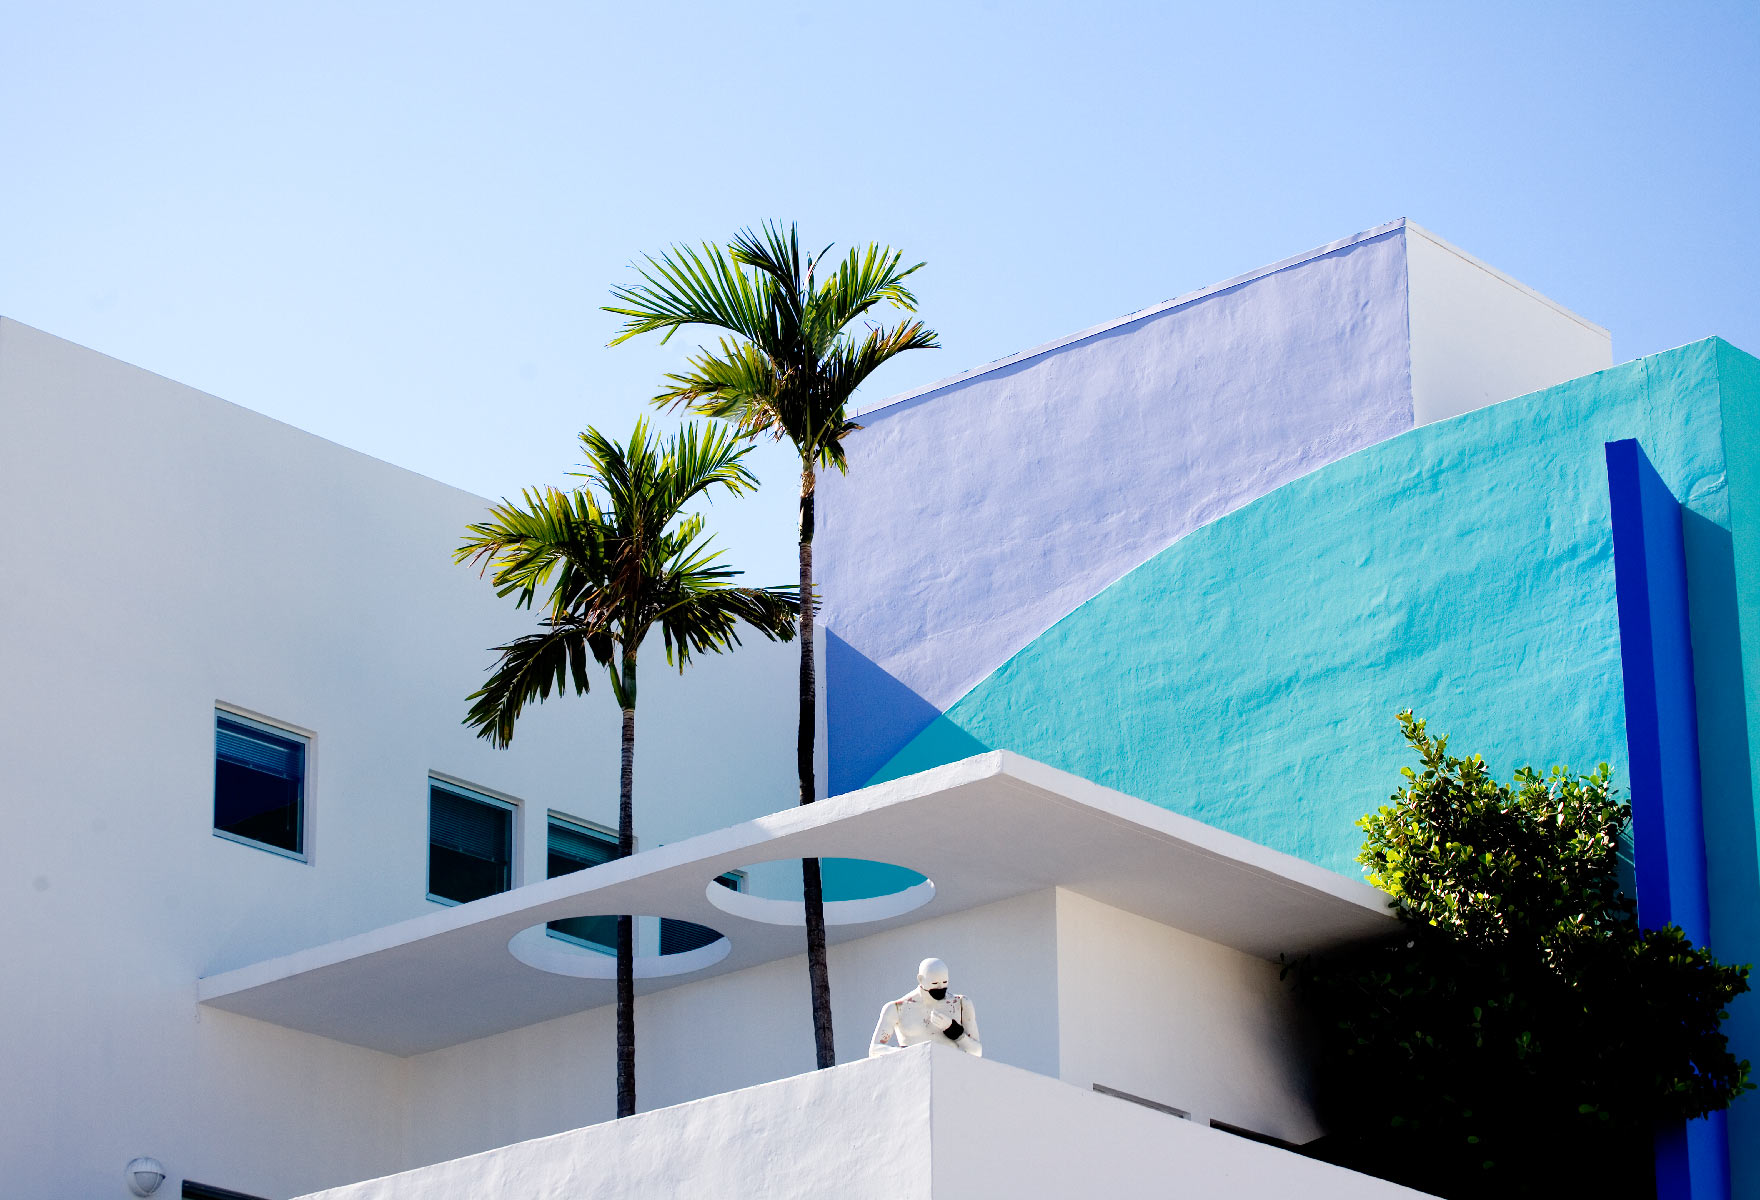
(787, 369)
(615, 569)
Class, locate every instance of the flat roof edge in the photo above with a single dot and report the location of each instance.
(1476, 261)
(1144, 314)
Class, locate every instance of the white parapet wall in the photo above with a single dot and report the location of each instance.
(929, 1121)
(1479, 337)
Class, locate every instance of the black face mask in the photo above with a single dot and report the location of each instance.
(939, 993)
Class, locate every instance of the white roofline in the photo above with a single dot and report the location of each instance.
(1140, 315)
(1548, 301)
(1216, 288)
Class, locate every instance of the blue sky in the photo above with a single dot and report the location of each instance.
(394, 225)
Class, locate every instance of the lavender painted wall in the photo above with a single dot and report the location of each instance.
(979, 512)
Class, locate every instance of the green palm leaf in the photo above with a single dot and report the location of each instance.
(786, 367)
(611, 560)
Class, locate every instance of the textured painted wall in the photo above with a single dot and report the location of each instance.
(977, 514)
(1248, 675)
(926, 1122)
(1725, 601)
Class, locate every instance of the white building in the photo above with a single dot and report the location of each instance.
(235, 780)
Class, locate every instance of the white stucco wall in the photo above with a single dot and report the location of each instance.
(1000, 1132)
(859, 1132)
(738, 1030)
(930, 1122)
(175, 552)
(172, 551)
(1172, 1018)
(1478, 337)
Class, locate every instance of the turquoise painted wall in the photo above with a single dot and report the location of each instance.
(1726, 660)
(1248, 675)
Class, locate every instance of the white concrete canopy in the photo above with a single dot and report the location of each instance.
(983, 830)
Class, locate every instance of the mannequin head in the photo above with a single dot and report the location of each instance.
(932, 977)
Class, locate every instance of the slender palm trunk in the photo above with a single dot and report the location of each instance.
(812, 882)
(626, 942)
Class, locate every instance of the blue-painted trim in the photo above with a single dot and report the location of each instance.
(1662, 745)
(1631, 569)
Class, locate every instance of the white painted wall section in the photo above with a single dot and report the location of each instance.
(175, 551)
(734, 1031)
(1172, 1018)
(1478, 337)
(928, 1122)
(847, 1133)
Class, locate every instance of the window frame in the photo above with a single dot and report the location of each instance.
(470, 791)
(280, 729)
(594, 829)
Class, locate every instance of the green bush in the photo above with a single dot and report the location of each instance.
(1521, 1035)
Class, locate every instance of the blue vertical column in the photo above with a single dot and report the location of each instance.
(1662, 742)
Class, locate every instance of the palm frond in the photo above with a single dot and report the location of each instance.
(527, 670)
(777, 257)
(863, 280)
(851, 362)
(709, 621)
(789, 366)
(612, 559)
(738, 384)
(702, 286)
(554, 533)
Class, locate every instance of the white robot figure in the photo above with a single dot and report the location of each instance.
(926, 1014)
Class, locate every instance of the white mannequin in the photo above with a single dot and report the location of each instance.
(927, 1013)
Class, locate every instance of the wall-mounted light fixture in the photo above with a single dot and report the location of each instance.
(143, 1175)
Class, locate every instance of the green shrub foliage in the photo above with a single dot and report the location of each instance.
(1521, 1035)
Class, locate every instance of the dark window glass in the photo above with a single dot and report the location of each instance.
(259, 780)
(470, 846)
(203, 1191)
(678, 936)
(574, 848)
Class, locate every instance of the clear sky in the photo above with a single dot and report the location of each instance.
(393, 225)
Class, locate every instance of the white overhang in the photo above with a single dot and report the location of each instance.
(984, 829)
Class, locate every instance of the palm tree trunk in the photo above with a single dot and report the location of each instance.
(626, 947)
(812, 883)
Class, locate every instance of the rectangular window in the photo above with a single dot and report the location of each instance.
(470, 844)
(259, 784)
(678, 936)
(575, 847)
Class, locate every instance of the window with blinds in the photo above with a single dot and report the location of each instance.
(470, 844)
(677, 936)
(259, 784)
(575, 847)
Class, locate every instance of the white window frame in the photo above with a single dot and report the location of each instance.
(280, 729)
(585, 826)
(470, 791)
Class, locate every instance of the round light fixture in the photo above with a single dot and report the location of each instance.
(144, 1175)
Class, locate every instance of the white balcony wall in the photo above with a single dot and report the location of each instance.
(927, 1123)
(737, 1030)
(1161, 1014)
